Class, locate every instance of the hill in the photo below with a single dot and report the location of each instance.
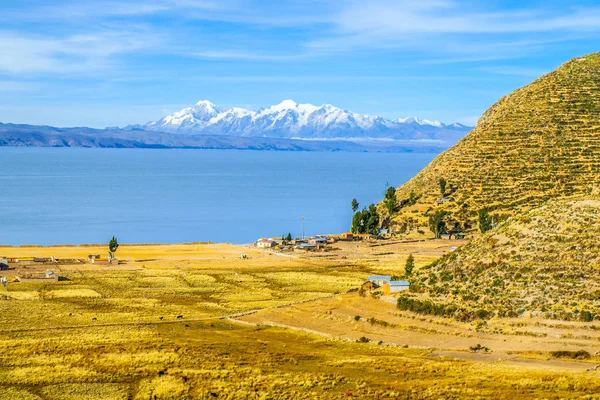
(538, 143)
(48, 136)
(545, 261)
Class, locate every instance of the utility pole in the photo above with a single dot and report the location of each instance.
(303, 228)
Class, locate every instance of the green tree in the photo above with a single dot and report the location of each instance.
(412, 199)
(113, 245)
(390, 200)
(354, 205)
(443, 186)
(366, 220)
(390, 193)
(485, 220)
(437, 223)
(410, 265)
(288, 238)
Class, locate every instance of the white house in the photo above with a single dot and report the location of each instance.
(264, 243)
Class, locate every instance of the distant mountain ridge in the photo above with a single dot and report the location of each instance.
(17, 135)
(291, 120)
(287, 126)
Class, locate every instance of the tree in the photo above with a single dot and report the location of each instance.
(485, 220)
(443, 186)
(354, 205)
(288, 238)
(390, 200)
(437, 223)
(412, 199)
(113, 245)
(410, 265)
(390, 193)
(366, 221)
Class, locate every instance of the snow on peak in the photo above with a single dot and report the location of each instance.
(419, 121)
(206, 103)
(291, 119)
(286, 104)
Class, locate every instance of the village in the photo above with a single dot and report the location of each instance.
(376, 284)
(313, 243)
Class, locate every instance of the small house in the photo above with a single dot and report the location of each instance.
(363, 236)
(347, 236)
(444, 200)
(446, 236)
(306, 246)
(318, 241)
(279, 241)
(379, 280)
(265, 243)
(395, 287)
(383, 231)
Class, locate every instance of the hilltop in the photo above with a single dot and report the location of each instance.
(538, 143)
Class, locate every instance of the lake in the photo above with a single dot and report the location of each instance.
(76, 195)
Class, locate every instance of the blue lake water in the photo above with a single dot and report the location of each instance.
(75, 195)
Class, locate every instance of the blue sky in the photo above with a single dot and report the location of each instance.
(109, 62)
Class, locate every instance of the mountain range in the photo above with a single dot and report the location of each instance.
(285, 126)
(291, 120)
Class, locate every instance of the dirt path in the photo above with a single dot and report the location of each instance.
(230, 317)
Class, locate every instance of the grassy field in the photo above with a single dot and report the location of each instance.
(154, 326)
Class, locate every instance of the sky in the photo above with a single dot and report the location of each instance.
(117, 62)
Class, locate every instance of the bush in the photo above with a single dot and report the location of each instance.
(478, 348)
(586, 316)
(576, 355)
(357, 318)
(363, 339)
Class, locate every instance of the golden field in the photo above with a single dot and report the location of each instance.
(168, 323)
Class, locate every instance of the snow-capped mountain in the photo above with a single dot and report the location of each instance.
(305, 121)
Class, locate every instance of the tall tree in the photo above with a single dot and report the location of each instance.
(443, 186)
(485, 220)
(288, 238)
(437, 225)
(390, 200)
(354, 205)
(113, 245)
(410, 265)
(390, 193)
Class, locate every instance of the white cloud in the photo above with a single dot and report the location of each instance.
(81, 53)
(444, 27)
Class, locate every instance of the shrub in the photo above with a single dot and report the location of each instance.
(586, 316)
(578, 355)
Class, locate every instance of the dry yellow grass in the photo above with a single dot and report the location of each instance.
(114, 332)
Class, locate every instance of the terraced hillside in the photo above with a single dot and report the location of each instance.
(538, 143)
(545, 261)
